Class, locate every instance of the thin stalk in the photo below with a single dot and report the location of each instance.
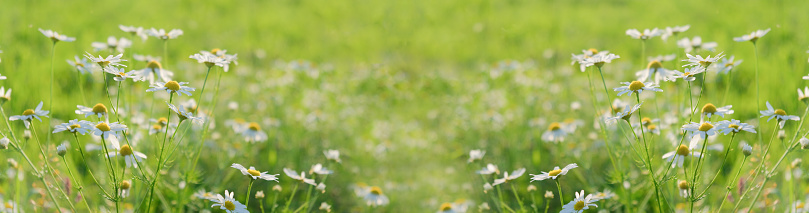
(49, 167)
(757, 170)
(289, 201)
(517, 197)
(81, 151)
(50, 101)
(731, 182)
(648, 157)
(727, 152)
(758, 97)
(561, 198)
(249, 189)
(160, 159)
(78, 183)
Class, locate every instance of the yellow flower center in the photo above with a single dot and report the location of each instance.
(554, 126)
(253, 126)
(103, 63)
(705, 63)
(103, 127)
(125, 184)
(153, 64)
(646, 120)
(683, 184)
(99, 108)
(172, 85)
(28, 112)
(74, 126)
(683, 150)
(578, 206)
(555, 172)
(687, 74)
(445, 207)
(125, 150)
(705, 127)
(9, 205)
(729, 65)
(593, 50)
(215, 50)
(734, 126)
(654, 65)
(376, 190)
(652, 127)
(229, 205)
(162, 121)
(157, 126)
(253, 172)
(777, 112)
(709, 108)
(636, 85)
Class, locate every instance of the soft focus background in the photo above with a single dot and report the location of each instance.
(404, 89)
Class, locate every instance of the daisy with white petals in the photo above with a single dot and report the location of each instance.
(779, 114)
(803, 96)
(709, 109)
(696, 44)
(131, 156)
(122, 75)
(228, 203)
(98, 110)
(105, 129)
(677, 157)
(333, 155)
(172, 87)
(646, 34)
(113, 44)
(255, 174)
(579, 204)
(475, 155)
(673, 31)
(56, 37)
(506, 177)
(654, 71)
(29, 114)
(74, 126)
(688, 74)
(154, 71)
(703, 129)
(184, 114)
(727, 64)
(301, 178)
(135, 31)
(734, 126)
(209, 60)
(752, 37)
(81, 64)
(111, 60)
(162, 34)
(636, 87)
(698, 60)
(600, 59)
(555, 173)
(489, 169)
(625, 114)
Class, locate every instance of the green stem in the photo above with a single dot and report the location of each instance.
(517, 197)
(49, 168)
(727, 152)
(160, 159)
(78, 184)
(249, 189)
(87, 167)
(561, 198)
(731, 182)
(289, 201)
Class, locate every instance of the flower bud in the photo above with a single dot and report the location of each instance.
(782, 134)
(277, 188)
(531, 188)
(747, 150)
(61, 150)
(259, 194)
(26, 134)
(804, 143)
(548, 195)
(4, 143)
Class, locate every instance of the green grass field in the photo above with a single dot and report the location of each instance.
(404, 90)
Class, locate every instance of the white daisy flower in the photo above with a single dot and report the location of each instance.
(603, 195)
(324, 207)
(555, 133)
(29, 114)
(74, 126)
(202, 194)
(162, 34)
(105, 129)
(580, 59)
(655, 68)
(489, 169)
(374, 197)
(570, 125)
(599, 60)
(135, 31)
(253, 173)
(678, 156)
(131, 156)
(228, 203)
(209, 60)
(696, 44)
(125, 186)
(752, 37)
(688, 74)
(555, 173)
(646, 34)
(780, 115)
(56, 37)
(698, 60)
(320, 170)
(154, 72)
(81, 64)
(579, 204)
(636, 87)
(98, 110)
(709, 109)
(227, 58)
(625, 114)
(253, 133)
(727, 64)
(703, 129)
(122, 75)
(682, 185)
(184, 114)
(734, 126)
(673, 31)
(506, 177)
(172, 87)
(475, 155)
(108, 61)
(802, 95)
(333, 155)
(5, 95)
(113, 44)
(302, 177)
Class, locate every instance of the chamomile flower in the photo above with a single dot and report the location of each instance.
(125, 186)
(56, 37)
(727, 64)
(603, 195)
(5, 95)
(747, 150)
(688, 74)
(803, 96)
(682, 185)
(654, 71)
(253, 173)
(113, 44)
(301, 178)
(333, 155)
(202, 194)
(555, 133)
(135, 31)
(184, 114)
(506, 177)
(703, 129)
(154, 72)
(625, 114)
(734, 126)
(630, 88)
(4, 142)
(320, 170)
(599, 60)
(29, 114)
(709, 109)
(162, 34)
(228, 203)
(98, 110)
(108, 61)
(646, 34)
(752, 37)
(253, 133)
(227, 58)
(673, 31)
(475, 155)
(489, 169)
(555, 173)
(580, 59)
(375, 197)
(74, 126)
(696, 44)
(122, 75)
(579, 204)
(678, 156)
(698, 60)
(209, 60)
(81, 64)
(105, 129)
(131, 157)
(780, 115)
(324, 207)
(172, 87)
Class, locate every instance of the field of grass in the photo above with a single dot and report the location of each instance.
(404, 90)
